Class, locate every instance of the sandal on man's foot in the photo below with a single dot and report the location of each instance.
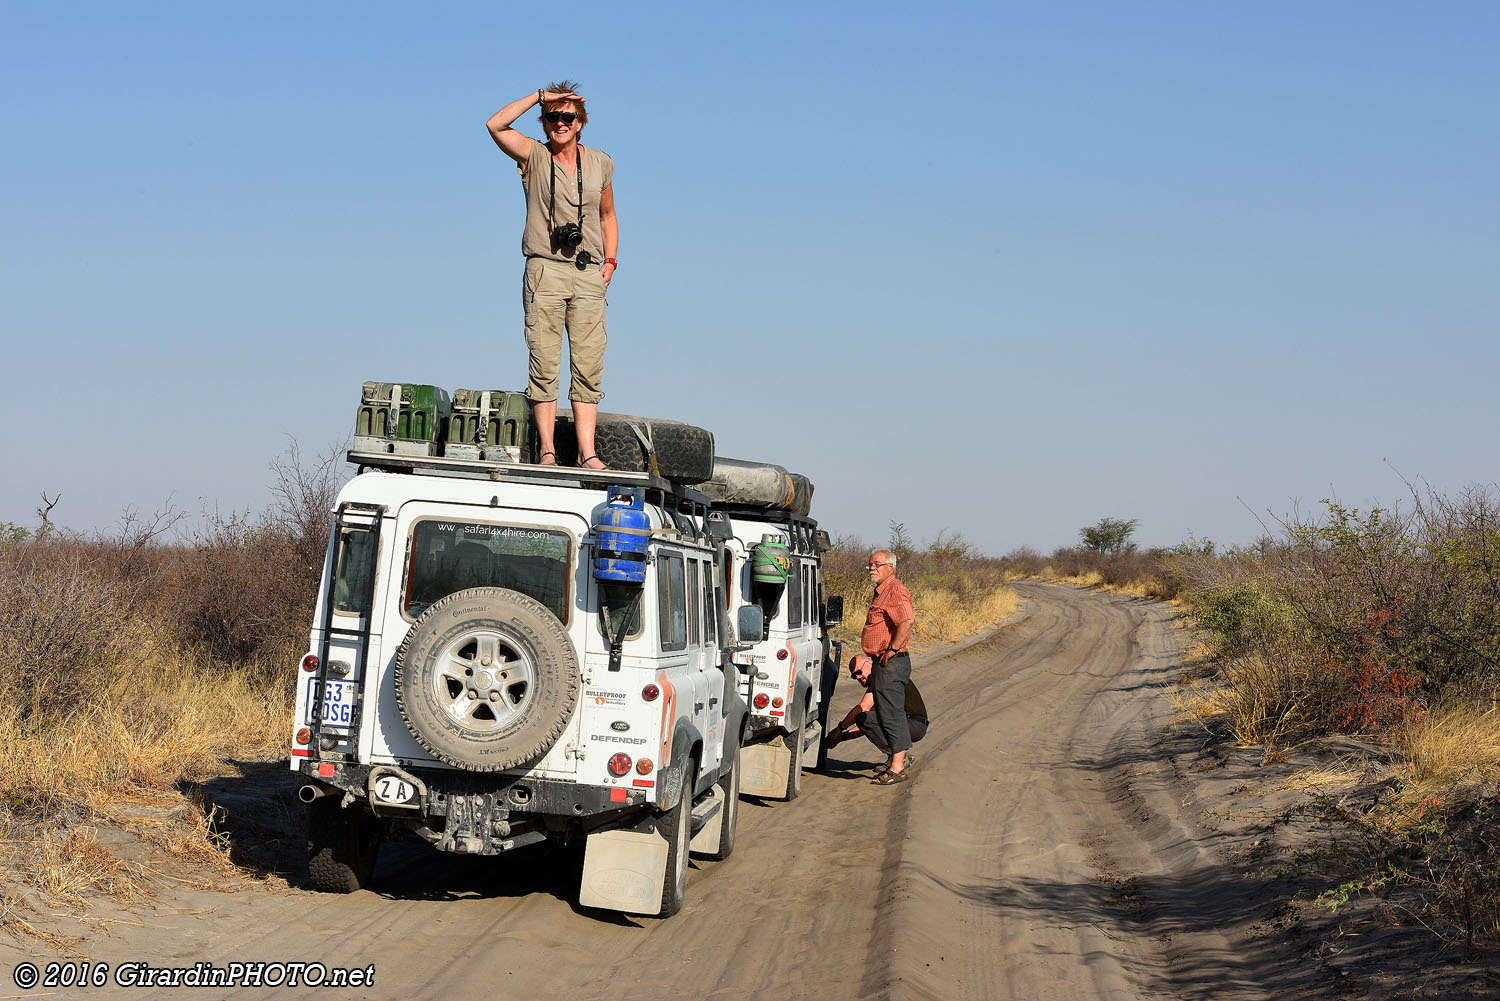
(889, 778)
(883, 767)
(583, 463)
(541, 460)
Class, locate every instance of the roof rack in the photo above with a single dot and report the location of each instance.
(523, 472)
(804, 534)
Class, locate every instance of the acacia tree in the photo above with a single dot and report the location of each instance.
(1109, 536)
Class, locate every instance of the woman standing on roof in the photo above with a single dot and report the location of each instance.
(570, 228)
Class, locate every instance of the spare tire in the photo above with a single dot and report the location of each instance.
(684, 453)
(487, 679)
(758, 484)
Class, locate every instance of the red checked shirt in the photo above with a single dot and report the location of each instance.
(890, 607)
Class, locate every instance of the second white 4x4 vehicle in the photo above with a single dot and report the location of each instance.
(788, 671)
(506, 653)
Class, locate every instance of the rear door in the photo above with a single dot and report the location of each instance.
(446, 548)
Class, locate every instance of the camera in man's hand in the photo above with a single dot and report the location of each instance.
(567, 236)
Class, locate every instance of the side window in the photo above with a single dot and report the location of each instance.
(356, 562)
(819, 597)
(794, 597)
(695, 598)
(710, 611)
(811, 577)
(671, 608)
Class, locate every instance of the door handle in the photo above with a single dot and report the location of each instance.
(698, 706)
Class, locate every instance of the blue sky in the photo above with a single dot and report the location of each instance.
(996, 269)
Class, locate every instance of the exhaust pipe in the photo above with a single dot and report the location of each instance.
(311, 792)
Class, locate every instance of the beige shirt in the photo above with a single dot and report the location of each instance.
(598, 172)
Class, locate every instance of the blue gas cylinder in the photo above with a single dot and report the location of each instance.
(622, 534)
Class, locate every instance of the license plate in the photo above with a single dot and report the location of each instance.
(338, 703)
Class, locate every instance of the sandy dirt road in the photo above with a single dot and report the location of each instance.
(1043, 849)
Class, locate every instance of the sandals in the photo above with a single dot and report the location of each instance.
(885, 765)
(583, 462)
(889, 778)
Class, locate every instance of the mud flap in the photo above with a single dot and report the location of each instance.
(706, 840)
(763, 769)
(624, 870)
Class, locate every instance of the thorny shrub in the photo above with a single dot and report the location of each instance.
(1377, 614)
(1385, 622)
(1434, 859)
(62, 615)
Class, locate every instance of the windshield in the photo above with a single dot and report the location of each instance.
(448, 556)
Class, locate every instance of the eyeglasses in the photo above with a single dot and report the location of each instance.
(876, 566)
(567, 117)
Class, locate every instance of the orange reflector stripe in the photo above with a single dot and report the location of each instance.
(301, 752)
(777, 712)
(643, 783)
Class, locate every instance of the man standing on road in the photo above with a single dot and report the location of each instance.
(861, 719)
(886, 634)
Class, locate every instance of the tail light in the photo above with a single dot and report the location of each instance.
(650, 693)
(619, 764)
(777, 703)
(762, 700)
(781, 654)
(310, 662)
(644, 766)
(304, 735)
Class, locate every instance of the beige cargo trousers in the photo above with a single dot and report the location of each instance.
(557, 297)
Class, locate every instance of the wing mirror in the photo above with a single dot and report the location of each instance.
(833, 610)
(751, 624)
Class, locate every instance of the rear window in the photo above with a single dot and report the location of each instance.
(448, 556)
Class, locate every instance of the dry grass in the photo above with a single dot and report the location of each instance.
(944, 616)
(1137, 587)
(947, 610)
(1456, 745)
(1199, 699)
(119, 757)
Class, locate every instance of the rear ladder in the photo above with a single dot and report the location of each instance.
(350, 517)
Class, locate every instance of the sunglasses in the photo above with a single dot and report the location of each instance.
(566, 117)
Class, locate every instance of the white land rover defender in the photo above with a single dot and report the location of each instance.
(789, 671)
(505, 653)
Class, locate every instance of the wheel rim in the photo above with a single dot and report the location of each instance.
(484, 681)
